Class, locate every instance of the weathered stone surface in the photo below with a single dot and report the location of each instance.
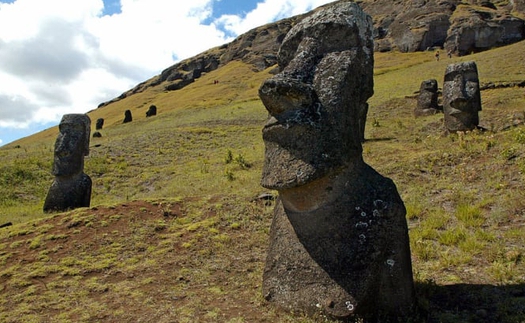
(339, 238)
(457, 26)
(474, 29)
(100, 124)
(152, 111)
(127, 116)
(461, 97)
(97, 134)
(71, 187)
(427, 99)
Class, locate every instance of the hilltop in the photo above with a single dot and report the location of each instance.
(176, 232)
(405, 26)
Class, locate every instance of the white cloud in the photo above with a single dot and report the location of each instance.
(63, 56)
(268, 11)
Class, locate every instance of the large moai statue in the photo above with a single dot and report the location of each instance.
(461, 97)
(339, 238)
(71, 187)
(427, 100)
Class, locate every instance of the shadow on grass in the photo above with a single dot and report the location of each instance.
(472, 303)
(379, 139)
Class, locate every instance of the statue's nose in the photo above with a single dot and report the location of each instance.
(281, 94)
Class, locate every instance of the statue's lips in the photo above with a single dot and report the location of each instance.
(272, 122)
(63, 154)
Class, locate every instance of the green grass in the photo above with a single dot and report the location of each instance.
(174, 232)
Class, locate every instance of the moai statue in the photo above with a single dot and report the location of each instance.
(152, 111)
(100, 124)
(427, 100)
(461, 97)
(127, 116)
(339, 238)
(71, 187)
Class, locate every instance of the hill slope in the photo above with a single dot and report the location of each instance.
(175, 233)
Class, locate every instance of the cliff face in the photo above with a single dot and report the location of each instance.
(461, 27)
(458, 26)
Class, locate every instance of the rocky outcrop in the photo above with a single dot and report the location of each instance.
(475, 29)
(459, 26)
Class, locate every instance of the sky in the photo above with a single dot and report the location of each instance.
(65, 56)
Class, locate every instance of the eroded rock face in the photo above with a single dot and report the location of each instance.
(458, 26)
(427, 100)
(71, 187)
(474, 29)
(461, 97)
(339, 238)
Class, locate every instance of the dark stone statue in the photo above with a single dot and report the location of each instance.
(72, 187)
(100, 124)
(427, 100)
(339, 238)
(152, 111)
(127, 116)
(461, 97)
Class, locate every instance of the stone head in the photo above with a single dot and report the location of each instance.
(72, 144)
(461, 96)
(318, 100)
(429, 86)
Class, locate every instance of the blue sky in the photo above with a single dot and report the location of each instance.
(67, 56)
(111, 7)
(233, 7)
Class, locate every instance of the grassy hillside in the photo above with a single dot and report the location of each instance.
(174, 233)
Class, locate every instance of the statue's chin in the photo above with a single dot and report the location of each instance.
(67, 168)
